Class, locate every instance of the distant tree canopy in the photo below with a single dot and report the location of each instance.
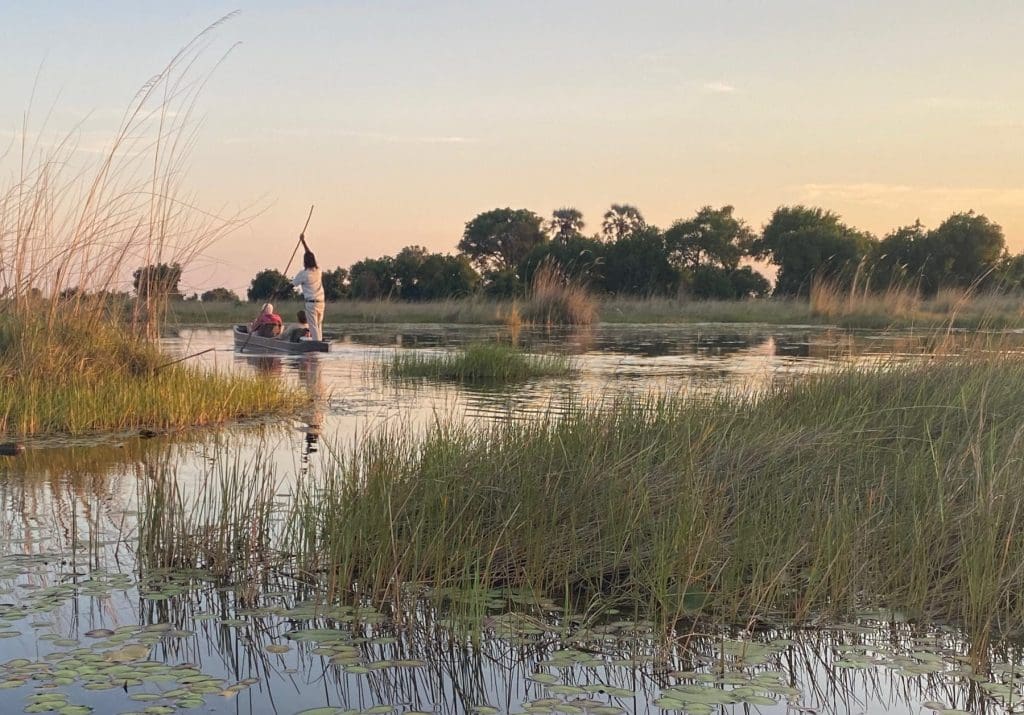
(637, 264)
(222, 295)
(965, 248)
(703, 256)
(714, 237)
(157, 280)
(808, 244)
(335, 283)
(270, 284)
(373, 278)
(499, 239)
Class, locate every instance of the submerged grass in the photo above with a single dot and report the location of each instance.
(896, 487)
(480, 362)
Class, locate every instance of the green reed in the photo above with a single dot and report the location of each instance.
(222, 523)
(479, 362)
(63, 376)
(894, 486)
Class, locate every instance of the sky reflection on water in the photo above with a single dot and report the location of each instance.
(70, 521)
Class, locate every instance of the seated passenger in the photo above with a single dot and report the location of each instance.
(268, 324)
(301, 330)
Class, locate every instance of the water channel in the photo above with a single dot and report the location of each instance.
(84, 629)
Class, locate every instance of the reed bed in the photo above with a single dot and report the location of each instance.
(223, 525)
(479, 362)
(896, 487)
(875, 311)
(556, 300)
(104, 377)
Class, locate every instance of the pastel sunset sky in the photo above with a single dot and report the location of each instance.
(401, 120)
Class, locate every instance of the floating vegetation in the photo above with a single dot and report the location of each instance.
(480, 362)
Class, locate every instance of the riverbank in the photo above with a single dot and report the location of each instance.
(947, 310)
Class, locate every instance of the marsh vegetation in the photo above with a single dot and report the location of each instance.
(478, 362)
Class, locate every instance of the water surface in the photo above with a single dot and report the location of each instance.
(84, 622)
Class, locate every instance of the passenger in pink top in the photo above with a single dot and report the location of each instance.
(268, 324)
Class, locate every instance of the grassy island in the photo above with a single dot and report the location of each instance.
(482, 362)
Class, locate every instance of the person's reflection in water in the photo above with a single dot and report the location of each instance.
(311, 377)
(266, 364)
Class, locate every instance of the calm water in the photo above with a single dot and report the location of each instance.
(82, 625)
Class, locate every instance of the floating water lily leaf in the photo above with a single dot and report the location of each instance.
(932, 705)
(667, 703)
(99, 633)
(545, 678)
(128, 653)
(486, 710)
(758, 700)
(276, 648)
(75, 710)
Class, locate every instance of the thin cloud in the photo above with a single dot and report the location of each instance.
(368, 136)
(1003, 124)
(718, 88)
(896, 195)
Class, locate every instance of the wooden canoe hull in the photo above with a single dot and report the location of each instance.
(246, 343)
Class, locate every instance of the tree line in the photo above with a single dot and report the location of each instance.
(706, 255)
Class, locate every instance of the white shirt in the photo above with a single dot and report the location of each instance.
(309, 281)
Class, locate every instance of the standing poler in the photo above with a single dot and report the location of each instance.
(312, 287)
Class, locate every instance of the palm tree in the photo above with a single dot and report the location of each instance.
(565, 223)
(622, 220)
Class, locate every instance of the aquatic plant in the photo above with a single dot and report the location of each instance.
(893, 486)
(479, 362)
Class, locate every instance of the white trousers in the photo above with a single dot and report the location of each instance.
(315, 319)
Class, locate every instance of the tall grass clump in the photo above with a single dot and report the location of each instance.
(85, 379)
(895, 486)
(479, 362)
(556, 300)
(73, 224)
(832, 300)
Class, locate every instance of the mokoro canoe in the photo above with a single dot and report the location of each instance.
(258, 344)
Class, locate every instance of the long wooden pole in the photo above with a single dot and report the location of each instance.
(302, 241)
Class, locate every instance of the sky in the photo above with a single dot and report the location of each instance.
(402, 120)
